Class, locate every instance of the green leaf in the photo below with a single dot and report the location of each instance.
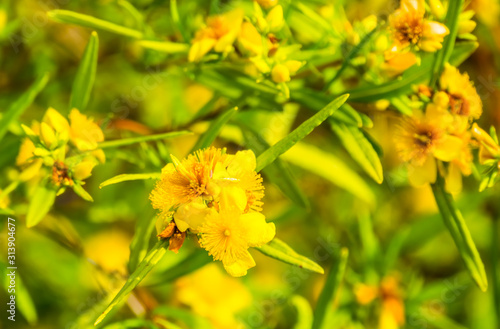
(42, 200)
(458, 229)
(140, 139)
(128, 177)
(82, 193)
(328, 166)
(187, 317)
(70, 17)
(140, 242)
(443, 55)
(21, 104)
(85, 76)
(164, 46)
(197, 259)
(329, 292)
(412, 76)
(272, 153)
(278, 172)
(209, 136)
(304, 312)
(23, 299)
(279, 250)
(132, 323)
(147, 264)
(360, 149)
(177, 21)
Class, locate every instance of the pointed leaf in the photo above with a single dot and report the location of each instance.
(21, 104)
(147, 264)
(279, 250)
(71, 17)
(85, 76)
(164, 46)
(82, 193)
(140, 242)
(213, 131)
(140, 139)
(128, 177)
(360, 149)
(460, 233)
(304, 312)
(272, 153)
(329, 292)
(42, 200)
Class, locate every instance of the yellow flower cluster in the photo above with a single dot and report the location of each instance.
(439, 139)
(254, 38)
(218, 197)
(49, 142)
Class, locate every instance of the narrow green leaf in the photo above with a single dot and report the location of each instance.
(278, 172)
(360, 149)
(458, 229)
(140, 242)
(279, 250)
(177, 21)
(328, 166)
(128, 177)
(444, 54)
(209, 136)
(70, 17)
(21, 104)
(42, 200)
(329, 292)
(304, 312)
(272, 153)
(197, 259)
(133, 323)
(85, 76)
(164, 46)
(23, 299)
(140, 139)
(412, 76)
(495, 271)
(147, 264)
(79, 190)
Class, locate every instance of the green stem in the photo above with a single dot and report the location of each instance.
(494, 265)
(135, 140)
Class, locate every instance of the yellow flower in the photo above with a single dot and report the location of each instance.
(267, 3)
(397, 62)
(422, 139)
(487, 11)
(194, 184)
(59, 123)
(410, 28)
(219, 34)
(227, 235)
(250, 39)
(85, 134)
(463, 97)
(219, 301)
(488, 148)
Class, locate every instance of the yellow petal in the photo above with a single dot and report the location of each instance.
(448, 148)
(453, 179)
(56, 121)
(280, 73)
(191, 215)
(257, 230)
(424, 174)
(200, 48)
(83, 170)
(232, 197)
(275, 18)
(240, 266)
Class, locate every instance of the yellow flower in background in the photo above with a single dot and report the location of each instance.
(250, 40)
(487, 11)
(219, 34)
(227, 235)
(85, 134)
(422, 139)
(463, 97)
(212, 294)
(410, 28)
(109, 250)
(267, 3)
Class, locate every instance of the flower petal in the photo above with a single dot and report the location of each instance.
(256, 230)
(424, 174)
(448, 148)
(240, 266)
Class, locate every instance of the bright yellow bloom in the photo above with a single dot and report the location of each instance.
(212, 294)
(410, 28)
(194, 184)
(250, 40)
(85, 134)
(219, 34)
(227, 235)
(463, 97)
(422, 139)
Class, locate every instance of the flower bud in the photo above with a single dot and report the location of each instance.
(280, 73)
(47, 135)
(275, 18)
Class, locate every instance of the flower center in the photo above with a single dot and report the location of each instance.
(459, 105)
(227, 232)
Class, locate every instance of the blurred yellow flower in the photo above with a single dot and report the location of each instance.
(219, 34)
(488, 148)
(423, 138)
(109, 249)
(85, 134)
(250, 40)
(410, 28)
(267, 3)
(487, 11)
(463, 97)
(214, 295)
(227, 235)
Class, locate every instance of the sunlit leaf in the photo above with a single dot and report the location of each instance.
(279, 250)
(140, 139)
(128, 177)
(85, 76)
(40, 203)
(272, 153)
